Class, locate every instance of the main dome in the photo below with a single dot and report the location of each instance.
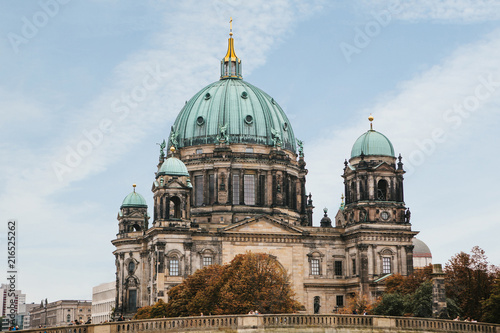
(240, 111)
(372, 143)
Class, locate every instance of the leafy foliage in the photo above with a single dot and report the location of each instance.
(469, 280)
(391, 305)
(408, 284)
(359, 303)
(252, 281)
(491, 306)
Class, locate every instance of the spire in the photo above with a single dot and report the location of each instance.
(230, 64)
(370, 118)
(133, 185)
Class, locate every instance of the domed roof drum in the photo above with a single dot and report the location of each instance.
(420, 249)
(242, 112)
(372, 143)
(173, 167)
(135, 200)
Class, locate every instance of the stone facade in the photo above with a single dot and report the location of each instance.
(219, 196)
(60, 313)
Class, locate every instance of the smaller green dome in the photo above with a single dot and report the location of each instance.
(173, 167)
(134, 199)
(372, 143)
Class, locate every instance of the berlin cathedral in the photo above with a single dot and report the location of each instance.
(232, 179)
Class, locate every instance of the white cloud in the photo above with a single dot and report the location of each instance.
(454, 11)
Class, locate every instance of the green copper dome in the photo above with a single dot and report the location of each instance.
(173, 166)
(372, 143)
(232, 111)
(134, 199)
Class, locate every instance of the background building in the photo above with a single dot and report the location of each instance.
(60, 313)
(234, 180)
(422, 255)
(103, 302)
(18, 306)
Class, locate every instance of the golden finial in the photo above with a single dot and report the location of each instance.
(133, 185)
(342, 197)
(172, 149)
(231, 26)
(370, 118)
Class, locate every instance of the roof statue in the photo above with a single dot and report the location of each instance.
(300, 144)
(222, 136)
(173, 138)
(276, 137)
(162, 148)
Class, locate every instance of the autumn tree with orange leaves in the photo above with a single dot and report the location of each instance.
(251, 281)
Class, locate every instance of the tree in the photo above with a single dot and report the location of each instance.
(251, 281)
(391, 305)
(358, 302)
(491, 306)
(408, 284)
(256, 281)
(469, 280)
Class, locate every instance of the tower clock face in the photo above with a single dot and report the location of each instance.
(384, 215)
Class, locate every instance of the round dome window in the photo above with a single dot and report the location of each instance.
(285, 126)
(244, 95)
(207, 96)
(200, 121)
(249, 119)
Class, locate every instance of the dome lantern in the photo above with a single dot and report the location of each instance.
(230, 64)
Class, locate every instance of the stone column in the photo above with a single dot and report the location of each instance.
(438, 293)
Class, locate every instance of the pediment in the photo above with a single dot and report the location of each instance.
(263, 224)
(384, 167)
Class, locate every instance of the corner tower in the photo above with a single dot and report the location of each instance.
(374, 182)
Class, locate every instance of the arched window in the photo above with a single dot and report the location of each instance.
(68, 318)
(382, 190)
(175, 207)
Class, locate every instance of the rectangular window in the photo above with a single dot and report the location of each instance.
(132, 300)
(249, 189)
(207, 261)
(340, 301)
(174, 267)
(314, 266)
(198, 186)
(199, 151)
(236, 189)
(338, 267)
(353, 266)
(386, 265)
(211, 189)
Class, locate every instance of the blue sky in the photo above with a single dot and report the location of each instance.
(87, 89)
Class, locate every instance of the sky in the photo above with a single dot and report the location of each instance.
(88, 89)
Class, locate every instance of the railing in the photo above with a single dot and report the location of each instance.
(270, 322)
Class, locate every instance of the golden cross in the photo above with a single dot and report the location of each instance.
(231, 24)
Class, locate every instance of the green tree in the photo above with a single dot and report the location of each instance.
(420, 302)
(491, 306)
(391, 305)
